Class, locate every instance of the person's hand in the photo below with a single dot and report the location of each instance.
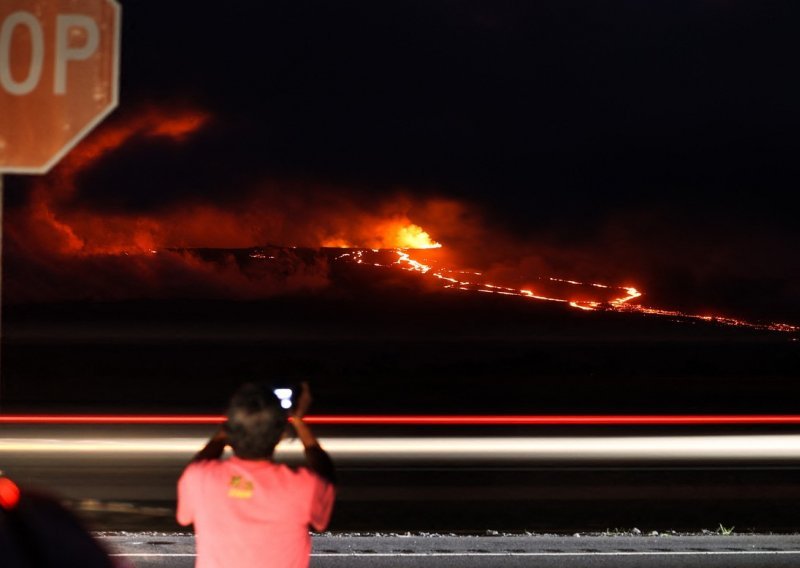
(303, 401)
(300, 408)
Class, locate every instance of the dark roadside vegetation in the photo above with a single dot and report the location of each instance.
(403, 353)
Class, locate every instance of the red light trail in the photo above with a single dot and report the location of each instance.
(428, 420)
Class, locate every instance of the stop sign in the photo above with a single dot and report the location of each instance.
(59, 68)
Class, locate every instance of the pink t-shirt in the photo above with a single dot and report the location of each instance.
(252, 513)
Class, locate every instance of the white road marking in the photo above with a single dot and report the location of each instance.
(149, 555)
(460, 554)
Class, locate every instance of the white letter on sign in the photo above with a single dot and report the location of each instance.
(64, 52)
(37, 53)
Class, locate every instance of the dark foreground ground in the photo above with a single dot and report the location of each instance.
(734, 551)
(399, 353)
(406, 354)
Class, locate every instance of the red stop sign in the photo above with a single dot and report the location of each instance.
(59, 69)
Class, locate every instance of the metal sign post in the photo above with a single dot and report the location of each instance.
(59, 77)
(2, 196)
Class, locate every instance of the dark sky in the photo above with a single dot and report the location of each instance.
(654, 141)
(532, 107)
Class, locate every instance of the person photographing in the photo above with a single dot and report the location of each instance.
(247, 510)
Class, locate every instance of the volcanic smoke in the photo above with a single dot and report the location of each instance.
(73, 250)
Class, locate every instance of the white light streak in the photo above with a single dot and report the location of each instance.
(572, 449)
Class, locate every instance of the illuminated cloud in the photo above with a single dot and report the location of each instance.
(65, 246)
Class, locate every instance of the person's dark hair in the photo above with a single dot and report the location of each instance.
(256, 421)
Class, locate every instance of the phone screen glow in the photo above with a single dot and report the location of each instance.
(285, 396)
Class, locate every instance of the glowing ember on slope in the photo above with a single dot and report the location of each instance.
(606, 297)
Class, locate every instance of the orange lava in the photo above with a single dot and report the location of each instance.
(56, 225)
(398, 232)
(622, 299)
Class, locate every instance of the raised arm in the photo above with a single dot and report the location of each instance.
(318, 459)
(214, 448)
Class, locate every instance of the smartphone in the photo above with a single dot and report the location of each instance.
(286, 396)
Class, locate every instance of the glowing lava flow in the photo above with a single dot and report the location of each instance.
(621, 301)
(446, 275)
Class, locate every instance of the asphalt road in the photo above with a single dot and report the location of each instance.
(329, 551)
(123, 478)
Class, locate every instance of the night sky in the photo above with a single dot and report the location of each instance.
(641, 143)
